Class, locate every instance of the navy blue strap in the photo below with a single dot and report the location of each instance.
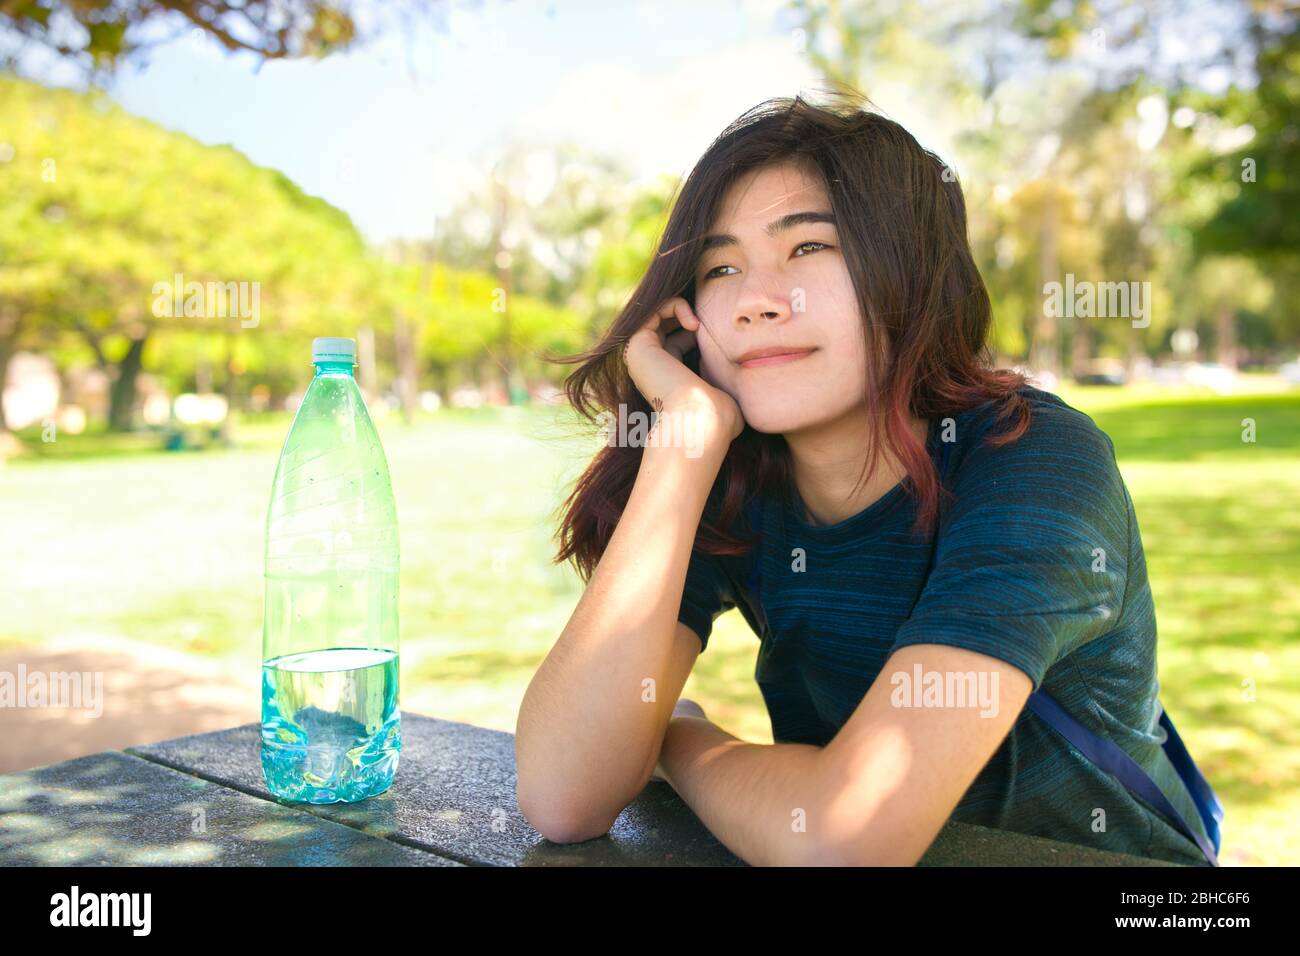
(1207, 804)
(1107, 755)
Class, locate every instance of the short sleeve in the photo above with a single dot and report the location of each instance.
(706, 595)
(1031, 559)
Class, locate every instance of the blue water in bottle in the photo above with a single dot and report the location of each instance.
(331, 725)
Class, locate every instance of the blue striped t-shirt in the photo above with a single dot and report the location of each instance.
(1013, 570)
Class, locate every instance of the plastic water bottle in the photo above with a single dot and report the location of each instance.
(331, 727)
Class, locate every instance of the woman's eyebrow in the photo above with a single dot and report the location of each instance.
(788, 221)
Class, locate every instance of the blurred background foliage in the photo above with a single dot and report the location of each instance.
(1115, 171)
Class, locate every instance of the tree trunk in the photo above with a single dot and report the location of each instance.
(1136, 352)
(1044, 355)
(366, 363)
(441, 376)
(1225, 337)
(228, 423)
(404, 344)
(1080, 347)
(6, 352)
(10, 323)
(509, 372)
(121, 408)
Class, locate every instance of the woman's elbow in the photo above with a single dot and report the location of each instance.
(565, 807)
(561, 824)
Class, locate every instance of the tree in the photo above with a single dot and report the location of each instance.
(100, 34)
(114, 230)
(1052, 92)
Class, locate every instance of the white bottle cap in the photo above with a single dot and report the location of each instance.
(334, 350)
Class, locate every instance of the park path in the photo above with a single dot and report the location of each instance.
(150, 693)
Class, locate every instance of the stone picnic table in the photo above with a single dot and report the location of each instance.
(201, 800)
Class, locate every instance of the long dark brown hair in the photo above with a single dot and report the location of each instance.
(926, 314)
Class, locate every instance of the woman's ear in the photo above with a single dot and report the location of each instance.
(693, 321)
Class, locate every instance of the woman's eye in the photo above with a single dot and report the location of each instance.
(812, 242)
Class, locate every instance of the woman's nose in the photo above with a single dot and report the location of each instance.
(762, 302)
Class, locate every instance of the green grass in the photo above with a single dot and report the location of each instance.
(107, 535)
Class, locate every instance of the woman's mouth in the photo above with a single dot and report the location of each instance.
(772, 356)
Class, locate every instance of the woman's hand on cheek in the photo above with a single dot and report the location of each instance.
(654, 356)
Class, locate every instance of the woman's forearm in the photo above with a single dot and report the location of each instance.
(588, 731)
(755, 798)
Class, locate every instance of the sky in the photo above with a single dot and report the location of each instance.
(395, 130)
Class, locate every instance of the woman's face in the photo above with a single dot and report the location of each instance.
(769, 284)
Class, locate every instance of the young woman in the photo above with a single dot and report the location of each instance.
(917, 539)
